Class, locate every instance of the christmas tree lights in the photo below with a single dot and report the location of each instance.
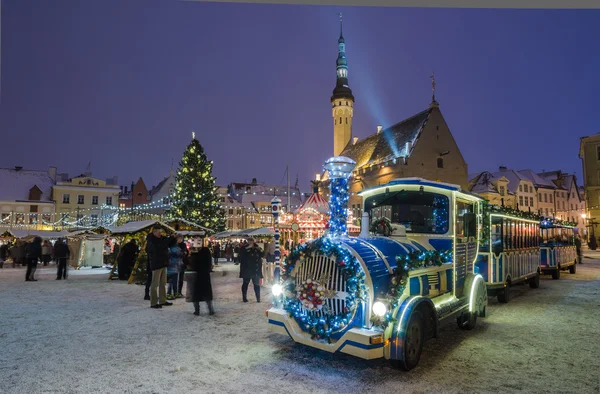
(195, 195)
(340, 169)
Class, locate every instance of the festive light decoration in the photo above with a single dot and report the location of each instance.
(399, 280)
(323, 326)
(195, 194)
(340, 169)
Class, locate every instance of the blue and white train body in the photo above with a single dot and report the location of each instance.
(510, 254)
(558, 252)
(427, 216)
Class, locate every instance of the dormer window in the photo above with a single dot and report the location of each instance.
(502, 190)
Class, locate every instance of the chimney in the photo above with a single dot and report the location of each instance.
(52, 174)
(18, 168)
(254, 181)
(354, 140)
(502, 168)
(408, 147)
(379, 127)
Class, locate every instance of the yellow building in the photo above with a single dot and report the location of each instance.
(84, 200)
(512, 189)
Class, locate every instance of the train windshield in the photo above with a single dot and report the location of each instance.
(418, 212)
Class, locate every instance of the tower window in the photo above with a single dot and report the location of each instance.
(346, 120)
(346, 103)
(339, 103)
(340, 120)
(440, 162)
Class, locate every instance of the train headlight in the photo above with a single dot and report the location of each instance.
(379, 308)
(276, 290)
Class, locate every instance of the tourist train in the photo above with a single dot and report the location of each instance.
(517, 250)
(383, 295)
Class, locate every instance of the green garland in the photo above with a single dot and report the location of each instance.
(323, 327)
(382, 226)
(491, 208)
(399, 278)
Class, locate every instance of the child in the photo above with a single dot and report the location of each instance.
(173, 269)
(202, 288)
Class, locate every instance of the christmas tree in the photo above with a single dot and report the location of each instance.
(195, 196)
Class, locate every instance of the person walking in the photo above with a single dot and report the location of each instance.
(126, 259)
(33, 252)
(578, 249)
(157, 248)
(62, 254)
(185, 259)
(251, 269)
(200, 263)
(46, 252)
(228, 252)
(175, 263)
(217, 253)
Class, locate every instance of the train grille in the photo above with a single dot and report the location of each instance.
(322, 267)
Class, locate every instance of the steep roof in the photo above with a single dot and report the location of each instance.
(388, 144)
(482, 183)
(537, 180)
(15, 185)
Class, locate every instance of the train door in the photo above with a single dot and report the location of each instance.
(465, 248)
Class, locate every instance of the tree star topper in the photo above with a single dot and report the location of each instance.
(193, 135)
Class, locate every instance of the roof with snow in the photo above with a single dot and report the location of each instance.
(537, 180)
(15, 184)
(389, 143)
(316, 202)
(482, 183)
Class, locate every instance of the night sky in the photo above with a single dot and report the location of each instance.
(123, 83)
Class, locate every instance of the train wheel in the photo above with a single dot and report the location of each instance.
(556, 274)
(573, 269)
(413, 342)
(534, 282)
(467, 321)
(504, 295)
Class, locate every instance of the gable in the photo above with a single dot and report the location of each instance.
(35, 193)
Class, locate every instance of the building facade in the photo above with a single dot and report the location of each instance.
(80, 200)
(420, 146)
(26, 199)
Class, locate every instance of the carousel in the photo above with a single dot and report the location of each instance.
(310, 220)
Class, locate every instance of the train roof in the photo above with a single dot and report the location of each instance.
(421, 182)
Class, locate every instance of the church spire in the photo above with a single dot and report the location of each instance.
(342, 90)
(433, 102)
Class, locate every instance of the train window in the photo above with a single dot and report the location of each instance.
(419, 212)
(496, 234)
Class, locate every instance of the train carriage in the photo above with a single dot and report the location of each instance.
(380, 295)
(557, 247)
(509, 253)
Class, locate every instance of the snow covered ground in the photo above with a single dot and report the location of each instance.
(91, 335)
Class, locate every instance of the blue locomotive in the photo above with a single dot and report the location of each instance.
(383, 293)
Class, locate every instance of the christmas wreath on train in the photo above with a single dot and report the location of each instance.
(303, 300)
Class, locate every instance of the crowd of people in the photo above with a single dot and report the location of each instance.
(169, 259)
(31, 253)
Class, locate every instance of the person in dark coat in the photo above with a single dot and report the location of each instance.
(33, 252)
(3, 254)
(62, 254)
(200, 263)
(216, 253)
(157, 248)
(126, 259)
(578, 248)
(251, 268)
(186, 262)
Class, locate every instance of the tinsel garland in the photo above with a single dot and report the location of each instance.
(381, 225)
(324, 326)
(399, 278)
